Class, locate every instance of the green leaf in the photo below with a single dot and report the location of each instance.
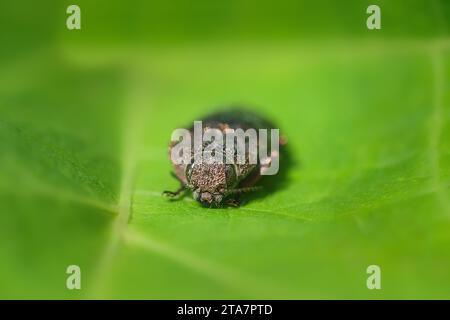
(84, 134)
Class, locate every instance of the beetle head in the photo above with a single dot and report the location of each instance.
(210, 182)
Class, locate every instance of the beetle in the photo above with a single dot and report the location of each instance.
(219, 184)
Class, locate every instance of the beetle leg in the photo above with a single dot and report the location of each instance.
(176, 177)
(233, 202)
(175, 194)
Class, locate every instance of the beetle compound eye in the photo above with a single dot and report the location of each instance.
(218, 198)
(196, 195)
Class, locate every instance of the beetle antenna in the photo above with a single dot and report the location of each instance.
(244, 190)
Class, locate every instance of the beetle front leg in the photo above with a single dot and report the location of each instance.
(233, 202)
(175, 194)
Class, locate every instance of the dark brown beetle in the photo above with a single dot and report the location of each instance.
(216, 184)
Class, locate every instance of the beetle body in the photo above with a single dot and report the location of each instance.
(216, 184)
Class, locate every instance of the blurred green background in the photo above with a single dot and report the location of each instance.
(86, 117)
